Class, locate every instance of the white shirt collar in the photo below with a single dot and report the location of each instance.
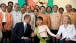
(24, 23)
(55, 13)
(15, 11)
(4, 13)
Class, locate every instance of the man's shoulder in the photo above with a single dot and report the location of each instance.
(19, 23)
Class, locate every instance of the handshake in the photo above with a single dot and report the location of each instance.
(59, 37)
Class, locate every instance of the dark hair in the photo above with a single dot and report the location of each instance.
(37, 5)
(36, 9)
(41, 7)
(10, 2)
(24, 4)
(61, 8)
(75, 10)
(26, 16)
(55, 5)
(10, 6)
(47, 8)
(40, 18)
(3, 4)
(0, 5)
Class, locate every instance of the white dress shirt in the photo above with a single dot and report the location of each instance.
(25, 26)
(32, 22)
(16, 17)
(4, 16)
(68, 32)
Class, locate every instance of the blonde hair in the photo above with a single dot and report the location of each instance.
(69, 21)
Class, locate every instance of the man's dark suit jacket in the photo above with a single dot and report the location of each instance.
(18, 33)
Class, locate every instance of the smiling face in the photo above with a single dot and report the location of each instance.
(28, 8)
(36, 12)
(42, 9)
(22, 10)
(49, 9)
(16, 7)
(9, 8)
(68, 8)
(66, 19)
(3, 7)
(39, 22)
(55, 8)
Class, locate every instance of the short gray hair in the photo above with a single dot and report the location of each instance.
(16, 4)
(26, 16)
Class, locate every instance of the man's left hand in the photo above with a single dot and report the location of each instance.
(67, 39)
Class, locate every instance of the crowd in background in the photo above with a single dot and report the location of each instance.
(60, 25)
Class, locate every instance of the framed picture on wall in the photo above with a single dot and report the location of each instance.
(32, 3)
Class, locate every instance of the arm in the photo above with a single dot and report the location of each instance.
(74, 32)
(0, 20)
(48, 30)
(11, 21)
(58, 36)
(49, 22)
(30, 31)
(15, 32)
(33, 34)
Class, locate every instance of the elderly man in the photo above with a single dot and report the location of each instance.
(29, 12)
(71, 14)
(16, 15)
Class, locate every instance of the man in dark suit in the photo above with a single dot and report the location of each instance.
(22, 31)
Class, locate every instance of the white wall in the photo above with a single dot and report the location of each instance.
(73, 3)
(6, 1)
(60, 3)
(63, 3)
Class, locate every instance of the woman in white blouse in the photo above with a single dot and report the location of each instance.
(42, 30)
(67, 30)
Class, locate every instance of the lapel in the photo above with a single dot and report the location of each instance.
(22, 28)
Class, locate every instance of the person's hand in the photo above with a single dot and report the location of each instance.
(32, 34)
(58, 36)
(67, 39)
(4, 30)
(24, 38)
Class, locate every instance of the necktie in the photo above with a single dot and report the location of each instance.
(25, 28)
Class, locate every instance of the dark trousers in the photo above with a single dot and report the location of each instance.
(18, 41)
(25, 41)
(36, 39)
(6, 35)
(70, 41)
(53, 39)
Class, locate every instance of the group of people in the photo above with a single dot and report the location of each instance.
(38, 25)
